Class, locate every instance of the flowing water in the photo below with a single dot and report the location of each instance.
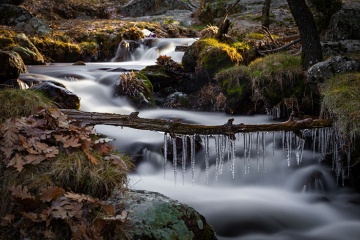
(258, 186)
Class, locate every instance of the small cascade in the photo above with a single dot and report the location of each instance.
(149, 49)
(253, 150)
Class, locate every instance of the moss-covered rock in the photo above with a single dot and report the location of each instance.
(341, 103)
(278, 79)
(158, 76)
(58, 51)
(235, 83)
(158, 217)
(206, 57)
(27, 50)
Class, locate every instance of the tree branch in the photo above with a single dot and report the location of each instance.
(174, 126)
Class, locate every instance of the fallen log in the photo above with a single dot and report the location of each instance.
(174, 126)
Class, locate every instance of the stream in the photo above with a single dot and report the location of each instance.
(259, 186)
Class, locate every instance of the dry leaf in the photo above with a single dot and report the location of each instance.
(63, 208)
(72, 142)
(20, 192)
(11, 133)
(51, 152)
(33, 159)
(17, 162)
(50, 193)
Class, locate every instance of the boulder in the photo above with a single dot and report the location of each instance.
(59, 95)
(14, 83)
(155, 216)
(23, 20)
(27, 50)
(344, 24)
(136, 8)
(322, 71)
(11, 65)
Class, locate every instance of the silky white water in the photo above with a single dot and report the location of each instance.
(259, 186)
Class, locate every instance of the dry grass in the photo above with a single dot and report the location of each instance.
(19, 103)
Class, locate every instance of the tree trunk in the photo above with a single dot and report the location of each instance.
(310, 40)
(265, 19)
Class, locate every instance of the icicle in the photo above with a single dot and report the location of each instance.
(263, 149)
(283, 139)
(222, 149)
(207, 157)
(287, 136)
(273, 146)
(192, 148)
(245, 151)
(217, 154)
(184, 156)
(232, 149)
(165, 152)
(257, 150)
(349, 158)
(174, 158)
(314, 141)
(278, 112)
(299, 150)
(249, 153)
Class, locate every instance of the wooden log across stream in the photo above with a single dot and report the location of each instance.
(174, 126)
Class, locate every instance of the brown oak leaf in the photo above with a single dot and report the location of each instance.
(65, 208)
(50, 193)
(17, 162)
(51, 152)
(20, 192)
(72, 142)
(33, 159)
(11, 133)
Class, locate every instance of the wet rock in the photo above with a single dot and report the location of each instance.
(152, 7)
(177, 100)
(155, 216)
(344, 24)
(14, 83)
(322, 71)
(11, 65)
(23, 20)
(59, 95)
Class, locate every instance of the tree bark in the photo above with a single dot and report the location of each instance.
(310, 40)
(265, 18)
(174, 126)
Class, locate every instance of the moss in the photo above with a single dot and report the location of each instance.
(278, 77)
(21, 103)
(236, 85)
(56, 50)
(6, 42)
(341, 100)
(216, 55)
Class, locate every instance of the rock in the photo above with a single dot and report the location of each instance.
(322, 71)
(59, 95)
(344, 24)
(27, 50)
(155, 216)
(23, 20)
(340, 47)
(136, 8)
(14, 83)
(177, 100)
(11, 66)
